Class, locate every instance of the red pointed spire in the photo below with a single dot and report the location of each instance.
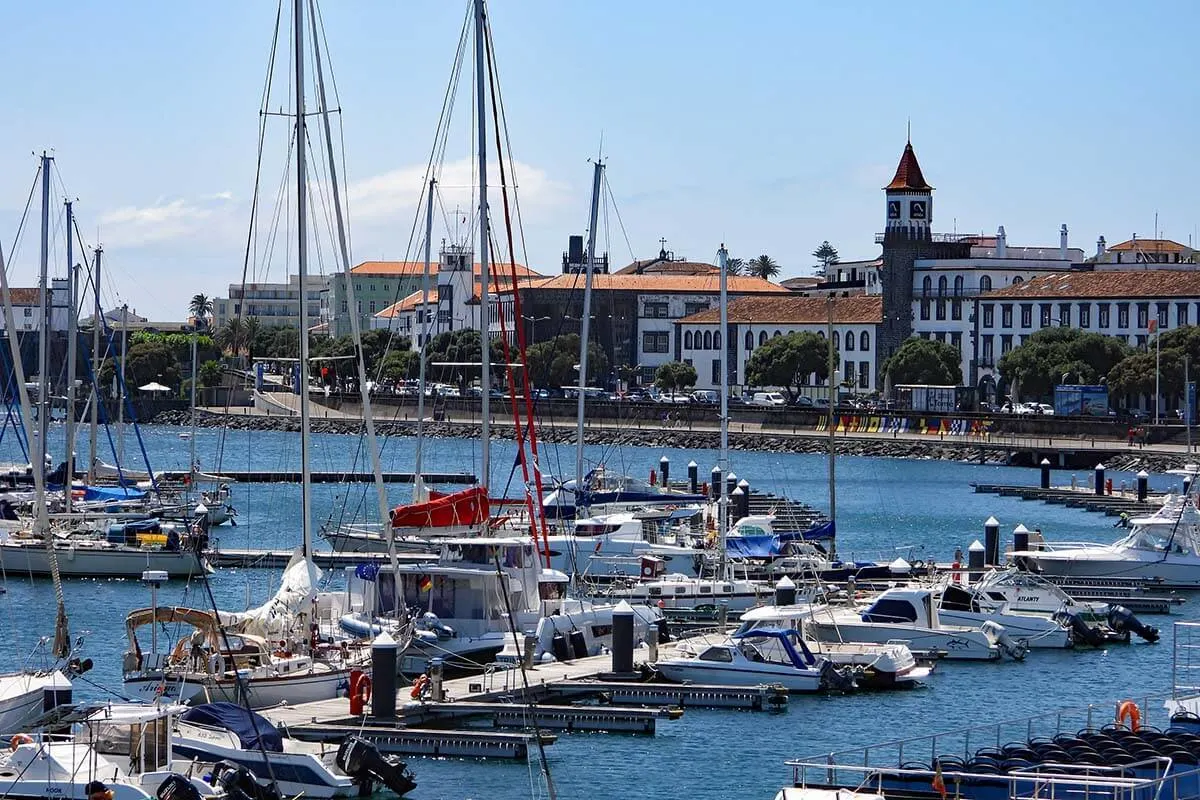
(908, 174)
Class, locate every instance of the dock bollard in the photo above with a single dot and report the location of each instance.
(1099, 487)
(975, 559)
(715, 485)
(383, 676)
(722, 614)
(1020, 542)
(664, 468)
(1143, 481)
(731, 481)
(652, 645)
(785, 592)
(693, 477)
(622, 638)
(736, 499)
(744, 511)
(531, 643)
(435, 671)
(1045, 473)
(991, 542)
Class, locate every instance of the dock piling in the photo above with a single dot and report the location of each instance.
(991, 540)
(1045, 465)
(693, 477)
(664, 468)
(975, 558)
(715, 486)
(383, 674)
(785, 592)
(1099, 486)
(1143, 485)
(622, 639)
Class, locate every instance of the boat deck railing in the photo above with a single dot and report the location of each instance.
(1049, 782)
(919, 752)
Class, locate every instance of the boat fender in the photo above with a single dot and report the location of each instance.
(216, 664)
(364, 689)
(20, 739)
(419, 686)
(1129, 710)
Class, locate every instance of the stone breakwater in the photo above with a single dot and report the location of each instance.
(945, 450)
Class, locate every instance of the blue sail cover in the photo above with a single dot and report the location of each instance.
(252, 730)
(765, 546)
(111, 493)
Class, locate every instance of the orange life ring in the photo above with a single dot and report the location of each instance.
(419, 686)
(1129, 710)
(364, 689)
(20, 739)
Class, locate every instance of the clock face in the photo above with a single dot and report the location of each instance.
(916, 209)
(893, 209)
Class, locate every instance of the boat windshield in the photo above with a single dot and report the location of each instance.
(1159, 539)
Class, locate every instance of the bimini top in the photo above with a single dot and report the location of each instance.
(252, 730)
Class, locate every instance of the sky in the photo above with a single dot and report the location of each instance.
(768, 126)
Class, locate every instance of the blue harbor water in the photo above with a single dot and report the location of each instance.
(885, 508)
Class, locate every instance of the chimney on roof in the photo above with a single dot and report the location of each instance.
(1100, 246)
(1001, 243)
(1062, 242)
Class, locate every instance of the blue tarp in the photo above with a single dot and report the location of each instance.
(252, 730)
(111, 493)
(765, 546)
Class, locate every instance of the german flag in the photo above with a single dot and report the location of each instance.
(425, 583)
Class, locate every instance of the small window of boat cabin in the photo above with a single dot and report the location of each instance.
(726, 588)
(716, 654)
(655, 591)
(705, 590)
(890, 610)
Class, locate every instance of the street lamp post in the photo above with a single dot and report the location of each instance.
(533, 321)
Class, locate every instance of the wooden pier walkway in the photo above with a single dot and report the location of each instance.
(1083, 497)
(287, 476)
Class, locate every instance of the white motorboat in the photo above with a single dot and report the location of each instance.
(607, 492)
(755, 657)
(1163, 547)
(613, 545)
(685, 592)
(25, 695)
(92, 556)
(124, 749)
(906, 615)
(106, 472)
(878, 666)
(227, 732)
(1026, 592)
(967, 606)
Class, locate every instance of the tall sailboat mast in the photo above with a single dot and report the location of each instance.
(72, 333)
(723, 457)
(485, 310)
(39, 462)
(419, 493)
(97, 326)
(302, 269)
(585, 329)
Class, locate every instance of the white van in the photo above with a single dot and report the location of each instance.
(770, 399)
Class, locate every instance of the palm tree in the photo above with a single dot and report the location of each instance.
(734, 266)
(763, 267)
(250, 331)
(232, 335)
(200, 307)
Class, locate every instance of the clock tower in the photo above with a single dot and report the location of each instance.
(909, 201)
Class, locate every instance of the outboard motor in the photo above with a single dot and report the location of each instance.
(835, 679)
(239, 783)
(363, 762)
(1081, 632)
(1121, 620)
(177, 787)
(1014, 649)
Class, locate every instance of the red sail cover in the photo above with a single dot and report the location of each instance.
(457, 509)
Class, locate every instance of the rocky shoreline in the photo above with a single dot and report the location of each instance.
(938, 450)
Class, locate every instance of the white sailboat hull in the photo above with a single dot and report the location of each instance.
(1035, 631)
(22, 696)
(1172, 570)
(688, 670)
(263, 692)
(87, 560)
(970, 645)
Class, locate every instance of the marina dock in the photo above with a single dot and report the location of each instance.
(286, 476)
(500, 697)
(1109, 504)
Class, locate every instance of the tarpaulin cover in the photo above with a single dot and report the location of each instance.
(252, 730)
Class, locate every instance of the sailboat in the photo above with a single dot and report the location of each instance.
(274, 653)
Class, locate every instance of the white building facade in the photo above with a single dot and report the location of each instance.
(275, 305)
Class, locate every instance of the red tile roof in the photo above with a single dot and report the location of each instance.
(407, 304)
(1148, 246)
(908, 174)
(1130, 284)
(795, 310)
(24, 297)
(698, 284)
(396, 268)
(661, 267)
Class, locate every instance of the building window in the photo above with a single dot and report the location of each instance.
(942, 286)
(987, 350)
(956, 341)
(762, 338)
(372, 287)
(940, 336)
(985, 283)
(1064, 315)
(924, 309)
(927, 286)
(687, 340)
(989, 316)
(707, 340)
(656, 342)
(716, 340)
(776, 335)
(28, 312)
(694, 308)
(941, 309)
(357, 303)
(849, 340)
(655, 310)
(1045, 314)
(956, 309)
(958, 285)
(749, 341)
(344, 308)
(372, 306)
(1142, 341)
(1005, 316)
(864, 374)
(716, 371)
(1005, 343)
(848, 372)
(1163, 322)
(1143, 315)
(837, 340)
(1085, 315)
(1102, 315)
(1181, 313)
(864, 341)
(1026, 315)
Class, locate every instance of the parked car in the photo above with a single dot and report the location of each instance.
(769, 399)
(706, 397)
(804, 402)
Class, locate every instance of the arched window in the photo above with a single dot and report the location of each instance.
(697, 340)
(864, 341)
(1016, 280)
(942, 286)
(927, 286)
(985, 283)
(762, 337)
(687, 340)
(707, 340)
(777, 335)
(849, 340)
(749, 340)
(717, 340)
(837, 340)
(958, 285)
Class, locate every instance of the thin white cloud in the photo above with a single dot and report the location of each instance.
(165, 220)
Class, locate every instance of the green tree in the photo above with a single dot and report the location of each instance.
(827, 256)
(788, 361)
(400, 365)
(735, 266)
(146, 361)
(231, 337)
(924, 361)
(200, 307)
(763, 267)
(455, 356)
(1040, 363)
(675, 376)
(555, 362)
(210, 374)
(1136, 374)
(251, 327)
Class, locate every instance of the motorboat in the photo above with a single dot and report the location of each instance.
(88, 554)
(753, 658)
(227, 732)
(612, 546)
(604, 492)
(684, 592)
(877, 666)
(1163, 547)
(907, 615)
(124, 749)
(25, 695)
(967, 606)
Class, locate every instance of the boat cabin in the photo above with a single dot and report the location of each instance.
(903, 606)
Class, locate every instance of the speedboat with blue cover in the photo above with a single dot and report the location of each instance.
(761, 656)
